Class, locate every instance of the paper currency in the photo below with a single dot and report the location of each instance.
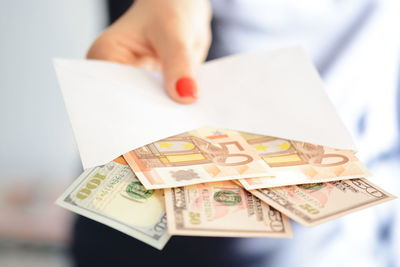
(222, 183)
(222, 209)
(112, 195)
(294, 162)
(195, 157)
(312, 204)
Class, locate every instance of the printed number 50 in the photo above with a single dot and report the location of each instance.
(221, 159)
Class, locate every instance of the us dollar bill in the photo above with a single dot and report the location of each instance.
(222, 209)
(312, 204)
(112, 195)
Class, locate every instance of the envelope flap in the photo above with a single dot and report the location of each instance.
(109, 117)
(277, 93)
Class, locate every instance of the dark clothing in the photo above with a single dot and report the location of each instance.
(117, 8)
(95, 244)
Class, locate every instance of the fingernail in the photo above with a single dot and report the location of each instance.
(186, 87)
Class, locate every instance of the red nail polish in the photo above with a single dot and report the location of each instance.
(186, 87)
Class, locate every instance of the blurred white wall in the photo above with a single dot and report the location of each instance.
(36, 139)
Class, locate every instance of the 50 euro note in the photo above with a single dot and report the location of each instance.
(295, 162)
(195, 157)
(222, 209)
(112, 195)
(312, 204)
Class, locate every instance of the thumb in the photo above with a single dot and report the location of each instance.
(177, 65)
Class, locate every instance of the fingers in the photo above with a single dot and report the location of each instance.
(181, 41)
(106, 47)
(179, 53)
(111, 47)
(177, 61)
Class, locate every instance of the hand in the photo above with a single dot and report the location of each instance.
(172, 36)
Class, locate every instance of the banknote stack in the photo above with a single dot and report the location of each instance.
(213, 182)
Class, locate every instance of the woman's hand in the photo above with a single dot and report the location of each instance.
(168, 35)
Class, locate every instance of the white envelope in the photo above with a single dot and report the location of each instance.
(115, 108)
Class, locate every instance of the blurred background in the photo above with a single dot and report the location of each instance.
(354, 44)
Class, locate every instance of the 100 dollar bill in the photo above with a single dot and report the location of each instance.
(312, 204)
(112, 195)
(222, 209)
(195, 157)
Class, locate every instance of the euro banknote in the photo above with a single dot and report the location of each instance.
(222, 209)
(196, 157)
(294, 162)
(312, 204)
(112, 195)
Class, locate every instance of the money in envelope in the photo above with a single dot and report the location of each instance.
(276, 149)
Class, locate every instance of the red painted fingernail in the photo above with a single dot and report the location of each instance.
(186, 87)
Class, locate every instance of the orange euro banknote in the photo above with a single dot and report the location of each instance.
(196, 157)
(294, 162)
